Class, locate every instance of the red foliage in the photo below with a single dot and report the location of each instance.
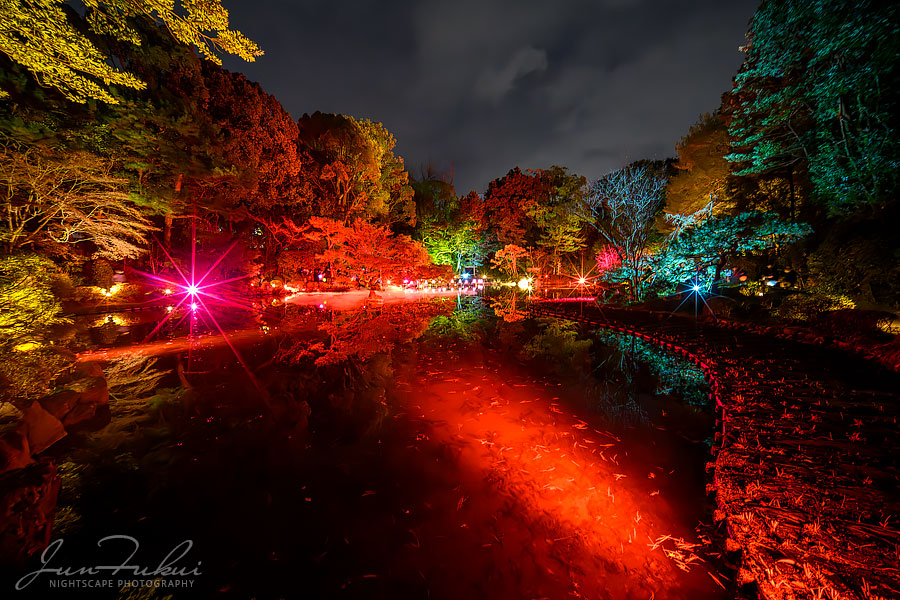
(256, 134)
(506, 203)
(607, 260)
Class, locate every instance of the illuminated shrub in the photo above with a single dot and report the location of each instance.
(27, 302)
(810, 306)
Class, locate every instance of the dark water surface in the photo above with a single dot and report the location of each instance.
(426, 449)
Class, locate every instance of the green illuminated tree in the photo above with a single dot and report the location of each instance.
(556, 213)
(818, 93)
(700, 252)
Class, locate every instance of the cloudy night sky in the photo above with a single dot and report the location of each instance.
(483, 86)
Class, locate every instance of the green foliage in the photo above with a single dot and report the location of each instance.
(818, 92)
(468, 321)
(556, 213)
(558, 342)
(444, 227)
(811, 305)
(674, 375)
(456, 243)
(354, 172)
(703, 250)
(391, 200)
(48, 38)
(27, 304)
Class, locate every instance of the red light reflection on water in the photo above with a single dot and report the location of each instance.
(603, 532)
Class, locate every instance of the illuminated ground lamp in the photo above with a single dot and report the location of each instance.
(111, 290)
(26, 346)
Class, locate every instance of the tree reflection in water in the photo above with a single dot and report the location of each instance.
(362, 333)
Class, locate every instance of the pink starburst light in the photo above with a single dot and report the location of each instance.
(201, 297)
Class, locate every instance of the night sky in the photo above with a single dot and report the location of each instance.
(481, 86)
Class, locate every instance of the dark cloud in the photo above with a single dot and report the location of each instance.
(481, 86)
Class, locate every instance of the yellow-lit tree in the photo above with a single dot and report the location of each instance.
(45, 37)
(48, 201)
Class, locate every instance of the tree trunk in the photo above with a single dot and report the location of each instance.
(167, 230)
(793, 196)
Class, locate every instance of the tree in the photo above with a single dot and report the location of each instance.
(702, 172)
(391, 200)
(366, 250)
(508, 258)
(456, 243)
(47, 38)
(345, 167)
(50, 200)
(27, 308)
(28, 305)
(444, 227)
(700, 252)
(622, 207)
(254, 134)
(818, 93)
(556, 213)
(503, 212)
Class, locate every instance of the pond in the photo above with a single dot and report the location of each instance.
(418, 446)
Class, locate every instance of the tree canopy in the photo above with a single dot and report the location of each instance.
(817, 94)
(61, 56)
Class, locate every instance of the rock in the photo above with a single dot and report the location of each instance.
(15, 453)
(61, 404)
(42, 429)
(89, 369)
(97, 393)
(81, 413)
(80, 408)
(27, 506)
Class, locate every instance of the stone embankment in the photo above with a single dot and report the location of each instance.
(29, 484)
